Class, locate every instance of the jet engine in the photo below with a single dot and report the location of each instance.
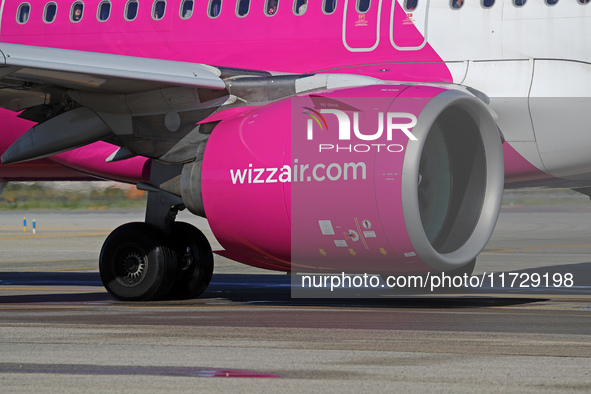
(375, 179)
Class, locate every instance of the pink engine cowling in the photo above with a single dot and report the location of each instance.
(382, 179)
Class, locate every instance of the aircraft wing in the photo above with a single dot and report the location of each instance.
(24, 64)
(47, 83)
(148, 107)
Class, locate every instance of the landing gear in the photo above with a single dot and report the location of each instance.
(135, 265)
(140, 262)
(195, 261)
(159, 259)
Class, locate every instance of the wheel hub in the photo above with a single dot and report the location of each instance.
(131, 266)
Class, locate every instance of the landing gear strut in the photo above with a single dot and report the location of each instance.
(144, 261)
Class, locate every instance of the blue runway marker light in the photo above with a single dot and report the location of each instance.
(34, 226)
(25, 224)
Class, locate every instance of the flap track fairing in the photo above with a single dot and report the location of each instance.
(67, 131)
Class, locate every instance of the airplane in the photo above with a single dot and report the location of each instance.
(260, 115)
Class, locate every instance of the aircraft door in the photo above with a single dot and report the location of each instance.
(408, 24)
(361, 25)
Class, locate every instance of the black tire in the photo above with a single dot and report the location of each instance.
(134, 263)
(194, 261)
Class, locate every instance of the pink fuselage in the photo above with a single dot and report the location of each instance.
(284, 42)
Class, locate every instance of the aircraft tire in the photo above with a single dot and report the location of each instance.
(195, 266)
(135, 265)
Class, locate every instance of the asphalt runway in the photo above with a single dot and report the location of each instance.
(61, 331)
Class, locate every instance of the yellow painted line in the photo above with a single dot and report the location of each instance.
(40, 307)
(61, 228)
(245, 306)
(44, 261)
(535, 248)
(323, 308)
(63, 269)
(74, 228)
(539, 307)
(45, 288)
(56, 236)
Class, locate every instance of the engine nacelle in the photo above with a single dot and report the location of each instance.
(377, 179)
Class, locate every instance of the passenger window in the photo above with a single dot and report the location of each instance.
(519, 3)
(488, 3)
(329, 6)
(131, 10)
(186, 9)
(215, 8)
(410, 5)
(104, 11)
(300, 6)
(551, 2)
(242, 7)
(583, 2)
(271, 7)
(158, 9)
(77, 11)
(457, 4)
(363, 6)
(22, 14)
(49, 12)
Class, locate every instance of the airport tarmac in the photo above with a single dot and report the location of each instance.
(61, 331)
